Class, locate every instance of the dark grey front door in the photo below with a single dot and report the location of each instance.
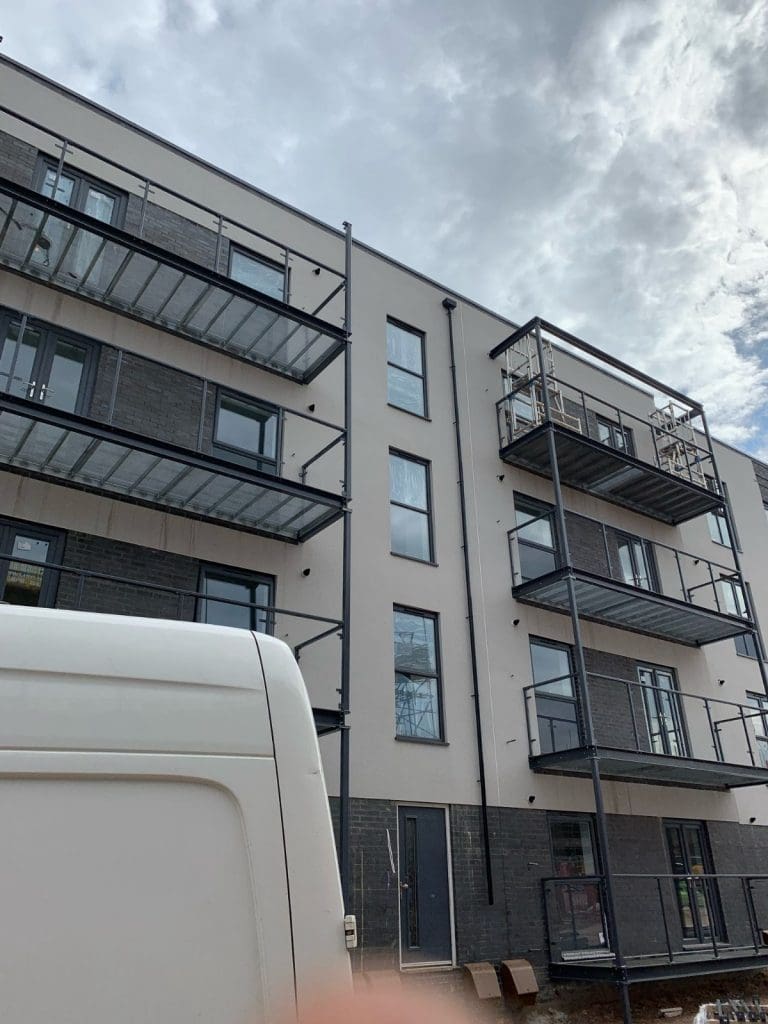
(425, 911)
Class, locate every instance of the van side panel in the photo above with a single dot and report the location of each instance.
(138, 899)
(320, 954)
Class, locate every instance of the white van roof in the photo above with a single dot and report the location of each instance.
(86, 681)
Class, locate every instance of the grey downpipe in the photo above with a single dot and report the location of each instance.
(345, 862)
(449, 305)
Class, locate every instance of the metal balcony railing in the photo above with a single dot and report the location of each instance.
(264, 492)
(50, 241)
(669, 924)
(659, 463)
(628, 581)
(72, 588)
(647, 732)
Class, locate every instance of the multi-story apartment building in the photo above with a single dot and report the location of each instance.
(530, 628)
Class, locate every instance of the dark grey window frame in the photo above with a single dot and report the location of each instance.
(49, 332)
(241, 455)
(682, 722)
(649, 553)
(540, 508)
(435, 617)
(421, 335)
(616, 429)
(243, 576)
(82, 181)
(257, 257)
(428, 512)
(744, 639)
(57, 539)
(569, 817)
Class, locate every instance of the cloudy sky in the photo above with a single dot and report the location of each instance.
(603, 163)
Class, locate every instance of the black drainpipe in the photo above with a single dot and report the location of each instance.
(449, 305)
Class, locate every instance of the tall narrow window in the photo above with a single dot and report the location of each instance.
(759, 701)
(731, 596)
(406, 379)
(663, 711)
(234, 598)
(718, 528)
(418, 713)
(637, 562)
(23, 576)
(574, 909)
(410, 507)
(535, 536)
(258, 273)
(556, 709)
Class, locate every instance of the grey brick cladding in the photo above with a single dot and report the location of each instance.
(515, 925)
(613, 704)
(154, 400)
(145, 565)
(162, 227)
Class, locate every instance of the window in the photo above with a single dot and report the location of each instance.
(718, 528)
(410, 507)
(23, 580)
(230, 597)
(520, 410)
(575, 916)
(418, 713)
(536, 548)
(247, 429)
(556, 710)
(81, 192)
(663, 711)
(731, 597)
(44, 364)
(759, 701)
(259, 273)
(406, 380)
(637, 562)
(745, 646)
(615, 436)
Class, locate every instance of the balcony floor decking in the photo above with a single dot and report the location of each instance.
(657, 966)
(78, 452)
(652, 769)
(588, 465)
(633, 608)
(46, 241)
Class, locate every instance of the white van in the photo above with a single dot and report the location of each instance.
(166, 851)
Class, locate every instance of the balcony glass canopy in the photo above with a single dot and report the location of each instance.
(83, 453)
(64, 248)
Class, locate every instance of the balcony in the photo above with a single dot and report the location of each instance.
(46, 241)
(75, 589)
(646, 732)
(625, 581)
(656, 463)
(670, 926)
(173, 461)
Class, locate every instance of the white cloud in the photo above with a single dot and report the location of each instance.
(601, 162)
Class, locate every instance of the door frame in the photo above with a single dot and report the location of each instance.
(717, 926)
(56, 538)
(445, 808)
(685, 739)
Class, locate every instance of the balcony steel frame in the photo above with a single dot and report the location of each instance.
(587, 463)
(39, 240)
(719, 770)
(672, 959)
(684, 619)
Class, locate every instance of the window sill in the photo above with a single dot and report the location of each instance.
(423, 740)
(412, 558)
(409, 412)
